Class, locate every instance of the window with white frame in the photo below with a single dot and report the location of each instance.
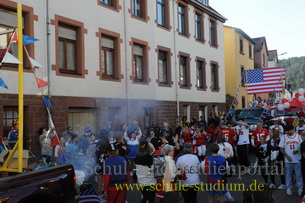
(138, 54)
(213, 33)
(183, 71)
(163, 73)
(67, 48)
(138, 8)
(7, 25)
(181, 19)
(108, 54)
(108, 2)
(205, 2)
(161, 12)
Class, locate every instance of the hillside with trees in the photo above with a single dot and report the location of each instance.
(295, 75)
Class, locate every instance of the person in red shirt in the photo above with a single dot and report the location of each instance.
(213, 131)
(187, 135)
(257, 133)
(201, 136)
(230, 136)
(229, 133)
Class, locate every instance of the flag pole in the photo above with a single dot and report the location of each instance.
(284, 82)
(246, 82)
(20, 87)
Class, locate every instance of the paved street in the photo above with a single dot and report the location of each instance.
(279, 195)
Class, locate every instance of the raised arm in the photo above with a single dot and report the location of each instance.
(126, 138)
(140, 134)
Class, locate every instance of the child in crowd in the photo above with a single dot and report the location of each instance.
(263, 153)
(226, 150)
(116, 174)
(215, 167)
(201, 138)
(276, 159)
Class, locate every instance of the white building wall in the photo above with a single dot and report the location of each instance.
(94, 17)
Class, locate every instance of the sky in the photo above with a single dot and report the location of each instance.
(282, 22)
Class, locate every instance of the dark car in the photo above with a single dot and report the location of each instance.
(250, 115)
(54, 184)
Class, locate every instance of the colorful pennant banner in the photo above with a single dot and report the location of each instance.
(9, 58)
(41, 83)
(2, 84)
(15, 37)
(35, 63)
(28, 40)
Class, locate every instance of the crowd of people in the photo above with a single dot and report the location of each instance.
(142, 155)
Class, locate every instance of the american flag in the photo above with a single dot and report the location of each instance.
(89, 195)
(266, 80)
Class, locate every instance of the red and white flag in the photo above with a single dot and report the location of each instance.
(14, 37)
(266, 80)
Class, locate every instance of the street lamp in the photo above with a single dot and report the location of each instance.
(276, 60)
(282, 54)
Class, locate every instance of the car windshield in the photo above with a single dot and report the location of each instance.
(281, 113)
(249, 113)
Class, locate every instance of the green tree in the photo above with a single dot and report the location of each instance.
(295, 72)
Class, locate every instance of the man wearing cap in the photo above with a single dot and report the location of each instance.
(116, 176)
(157, 143)
(277, 126)
(84, 140)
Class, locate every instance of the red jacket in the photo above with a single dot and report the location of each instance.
(201, 139)
(187, 136)
(214, 132)
(229, 136)
(256, 135)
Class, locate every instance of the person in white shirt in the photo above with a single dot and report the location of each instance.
(145, 175)
(189, 164)
(290, 147)
(300, 128)
(242, 131)
(168, 151)
(226, 150)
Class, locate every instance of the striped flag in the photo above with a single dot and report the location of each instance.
(266, 80)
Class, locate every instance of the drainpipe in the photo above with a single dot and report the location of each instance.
(176, 62)
(48, 55)
(126, 66)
